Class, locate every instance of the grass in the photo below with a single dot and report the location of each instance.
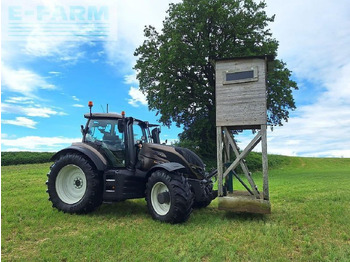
(310, 221)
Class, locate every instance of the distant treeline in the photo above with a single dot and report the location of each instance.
(16, 158)
(253, 160)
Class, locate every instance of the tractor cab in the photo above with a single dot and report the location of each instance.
(119, 138)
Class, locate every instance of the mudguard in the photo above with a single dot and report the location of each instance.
(91, 153)
(170, 167)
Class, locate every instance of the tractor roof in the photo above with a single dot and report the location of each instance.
(103, 115)
(114, 116)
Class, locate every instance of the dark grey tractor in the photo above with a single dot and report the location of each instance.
(121, 158)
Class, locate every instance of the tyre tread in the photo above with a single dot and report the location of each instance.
(92, 198)
(182, 196)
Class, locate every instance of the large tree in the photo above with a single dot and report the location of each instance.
(175, 67)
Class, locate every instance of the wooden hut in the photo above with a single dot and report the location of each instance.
(241, 105)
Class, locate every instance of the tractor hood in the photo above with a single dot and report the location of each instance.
(154, 154)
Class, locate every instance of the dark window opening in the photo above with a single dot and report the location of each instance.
(239, 75)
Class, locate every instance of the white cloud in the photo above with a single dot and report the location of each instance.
(20, 121)
(37, 111)
(78, 105)
(127, 32)
(322, 128)
(23, 81)
(20, 100)
(37, 143)
(131, 79)
(7, 136)
(75, 98)
(313, 35)
(55, 73)
(137, 98)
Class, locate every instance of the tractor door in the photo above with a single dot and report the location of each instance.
(139, 137)
(104, 134)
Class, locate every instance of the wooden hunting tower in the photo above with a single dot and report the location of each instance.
(240, 105)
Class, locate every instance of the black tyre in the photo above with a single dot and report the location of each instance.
(169, 197)
(73, 185)
(206, 196)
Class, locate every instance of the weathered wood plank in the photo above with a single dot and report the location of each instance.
(219, 160)
(264, 163)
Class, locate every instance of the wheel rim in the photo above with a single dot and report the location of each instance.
(161, 209)
(71, 184)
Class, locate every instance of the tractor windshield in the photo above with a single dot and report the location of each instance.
(104, 132)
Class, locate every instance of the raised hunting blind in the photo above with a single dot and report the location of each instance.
(241, 105)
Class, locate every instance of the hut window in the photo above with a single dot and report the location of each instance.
(239, 75)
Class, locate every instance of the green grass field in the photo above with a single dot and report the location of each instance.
(310, 221)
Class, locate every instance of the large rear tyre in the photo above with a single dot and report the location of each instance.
(73, 185)
(169, 197)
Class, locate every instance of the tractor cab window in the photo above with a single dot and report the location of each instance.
(104, 133)
(139, 133)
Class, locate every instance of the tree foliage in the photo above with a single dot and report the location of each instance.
(175, 67)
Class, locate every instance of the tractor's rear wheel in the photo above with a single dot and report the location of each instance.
(169, 197)
(73, 185)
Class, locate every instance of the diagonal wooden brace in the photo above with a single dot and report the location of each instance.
(240, 157)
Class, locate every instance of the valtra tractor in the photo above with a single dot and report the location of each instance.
(121, 158)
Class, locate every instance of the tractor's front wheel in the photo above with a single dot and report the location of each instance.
(169, 197)
(73, 185)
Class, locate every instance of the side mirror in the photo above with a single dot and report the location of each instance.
(83, 130)
(121, 125)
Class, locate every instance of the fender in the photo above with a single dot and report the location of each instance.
(170, 167)
(91, 153)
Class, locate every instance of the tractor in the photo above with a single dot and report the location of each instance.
(122, 158)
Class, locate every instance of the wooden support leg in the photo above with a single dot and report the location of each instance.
(219, 160)
(229, 179)
(266, 195)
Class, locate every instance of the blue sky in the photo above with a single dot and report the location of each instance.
(48, 75)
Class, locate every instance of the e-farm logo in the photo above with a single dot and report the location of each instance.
(71, 22)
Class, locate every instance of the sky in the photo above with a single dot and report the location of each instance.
(58, 55)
